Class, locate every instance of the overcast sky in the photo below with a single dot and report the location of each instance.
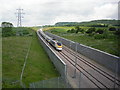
(44, 12)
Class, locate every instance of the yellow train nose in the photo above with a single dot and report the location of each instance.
(59, 46)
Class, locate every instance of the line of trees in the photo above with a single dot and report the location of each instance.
(97, 33)
(7, 29)
(6, 24)
(76, 30)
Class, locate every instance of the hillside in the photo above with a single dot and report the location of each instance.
(103, 23)
(107, 41)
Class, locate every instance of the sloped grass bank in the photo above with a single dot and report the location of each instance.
(39, 66)
(14, 50)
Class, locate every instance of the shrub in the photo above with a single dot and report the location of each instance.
(7, 31)
(99, 36)
(100, 31)
(117, 32)
(90, 30)
(106, 33)
(68, 31)
(80, 30)
(112, 29)
(77, 29)
(71, 31)
(25, 32)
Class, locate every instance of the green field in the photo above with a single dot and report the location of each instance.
(109, 45)
(58, 29)
(14, 50)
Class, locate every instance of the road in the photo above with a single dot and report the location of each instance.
(83, 72)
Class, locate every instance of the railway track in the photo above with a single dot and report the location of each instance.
(85, 73)
(78, 67)
(97, 69)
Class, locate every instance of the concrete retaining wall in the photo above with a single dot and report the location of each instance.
(109, 61)
(59, 64)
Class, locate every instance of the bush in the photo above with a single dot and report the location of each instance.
(100, 31)
(71, 31)
(90, 30)
(7, 31)
(68, 31)
(25, 32)
(99, 36)
(112, 29)
(117, 32)
(77, 29)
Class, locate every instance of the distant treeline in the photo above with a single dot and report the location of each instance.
(95, 23)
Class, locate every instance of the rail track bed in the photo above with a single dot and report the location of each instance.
(94, 73)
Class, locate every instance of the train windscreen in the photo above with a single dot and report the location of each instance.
(59, 44)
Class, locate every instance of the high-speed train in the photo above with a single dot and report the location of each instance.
(56, 44)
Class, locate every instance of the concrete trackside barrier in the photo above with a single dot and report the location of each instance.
(111, 62)
(56, 60)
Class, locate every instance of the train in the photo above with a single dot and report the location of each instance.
(53, 42)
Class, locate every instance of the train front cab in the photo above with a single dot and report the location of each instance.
(59, 46)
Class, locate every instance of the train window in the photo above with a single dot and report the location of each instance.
(52, 42)
(59, 44)
(53, 39)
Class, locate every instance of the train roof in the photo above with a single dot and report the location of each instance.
(56, 41)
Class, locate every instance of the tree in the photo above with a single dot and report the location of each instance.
(72, 30)
(7, 29)
(100, 31)
(117, 32)
(90, 30)
(68, 31)
(77, 29)
(112, 29)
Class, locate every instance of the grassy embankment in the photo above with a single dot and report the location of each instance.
(39, 66)
(14, 50)
(109, 45)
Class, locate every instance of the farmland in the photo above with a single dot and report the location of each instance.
(14, 50)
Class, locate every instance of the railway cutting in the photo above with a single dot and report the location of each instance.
(83, 72)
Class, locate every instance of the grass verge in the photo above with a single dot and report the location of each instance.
(39, 66)
(14, 50)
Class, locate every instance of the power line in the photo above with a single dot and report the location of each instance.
(19, 17)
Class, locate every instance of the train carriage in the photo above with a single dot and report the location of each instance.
(56, 44)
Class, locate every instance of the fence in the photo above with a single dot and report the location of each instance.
(57, 82)
(109, 61)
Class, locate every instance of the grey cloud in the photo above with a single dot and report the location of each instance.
(39, 12)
